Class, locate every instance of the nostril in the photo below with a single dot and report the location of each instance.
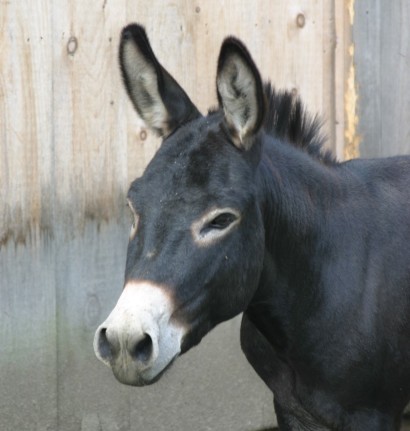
(112, 345)
(143, 349)
(104, 346)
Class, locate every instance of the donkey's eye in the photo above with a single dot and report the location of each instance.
(222, 221)
(214, 225)
(134, 227)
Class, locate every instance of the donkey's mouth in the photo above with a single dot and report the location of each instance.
(126, 375)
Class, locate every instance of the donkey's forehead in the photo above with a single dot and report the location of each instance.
(197, 157)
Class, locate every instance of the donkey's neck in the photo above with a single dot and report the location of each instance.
(297, 193)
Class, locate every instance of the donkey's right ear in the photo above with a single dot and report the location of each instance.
(240, 92)
(157, 97)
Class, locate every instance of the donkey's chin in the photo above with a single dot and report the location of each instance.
(132, 377)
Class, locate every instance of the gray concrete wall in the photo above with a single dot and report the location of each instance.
(53, 295)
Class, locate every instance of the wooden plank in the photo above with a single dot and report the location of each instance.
(89, 121)
(28, 354)
(395, 63)
(28, 396)
(329, 77)
(382, 52)
(342, 64)
(25, 119)
(91, 161)
(352, 139)
(89, 276)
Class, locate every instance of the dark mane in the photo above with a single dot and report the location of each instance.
(288, 120)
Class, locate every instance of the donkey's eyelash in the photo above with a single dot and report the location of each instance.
(134, 226)
(131, 206)
(134, 221)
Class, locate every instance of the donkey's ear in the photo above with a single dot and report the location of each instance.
(157, 97)
(240, 92)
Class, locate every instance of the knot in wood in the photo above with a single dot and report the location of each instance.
(300, 20)
(143, 135)
(72, 45)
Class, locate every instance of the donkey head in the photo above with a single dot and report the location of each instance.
(196, 246)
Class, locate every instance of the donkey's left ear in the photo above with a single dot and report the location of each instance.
(240, 92)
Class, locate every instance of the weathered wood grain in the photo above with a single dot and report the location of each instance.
(341, 62)
(25, 119)
(71, 142)
(90, 128)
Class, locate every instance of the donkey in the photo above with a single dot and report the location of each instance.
(242, 210)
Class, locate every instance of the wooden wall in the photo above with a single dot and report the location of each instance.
(70, 141)
(69, 146)
(382, 64)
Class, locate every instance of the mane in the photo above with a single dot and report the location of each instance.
(287, 120)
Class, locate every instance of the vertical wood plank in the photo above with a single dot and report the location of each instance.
(25, 119)
(352, 139)
(89, 122)
(382, 52)
(342, 60)
(28, 351)
(90, 143)
(89, 276)
(395, 76)
(329, 64)
(27, 297)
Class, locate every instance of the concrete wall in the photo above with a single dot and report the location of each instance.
(53, 297)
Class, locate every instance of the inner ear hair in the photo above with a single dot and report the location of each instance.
(236, 87)
(141, 82)
(240, 92)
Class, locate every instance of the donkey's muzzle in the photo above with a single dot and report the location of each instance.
(138, 340)
(128, 354)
